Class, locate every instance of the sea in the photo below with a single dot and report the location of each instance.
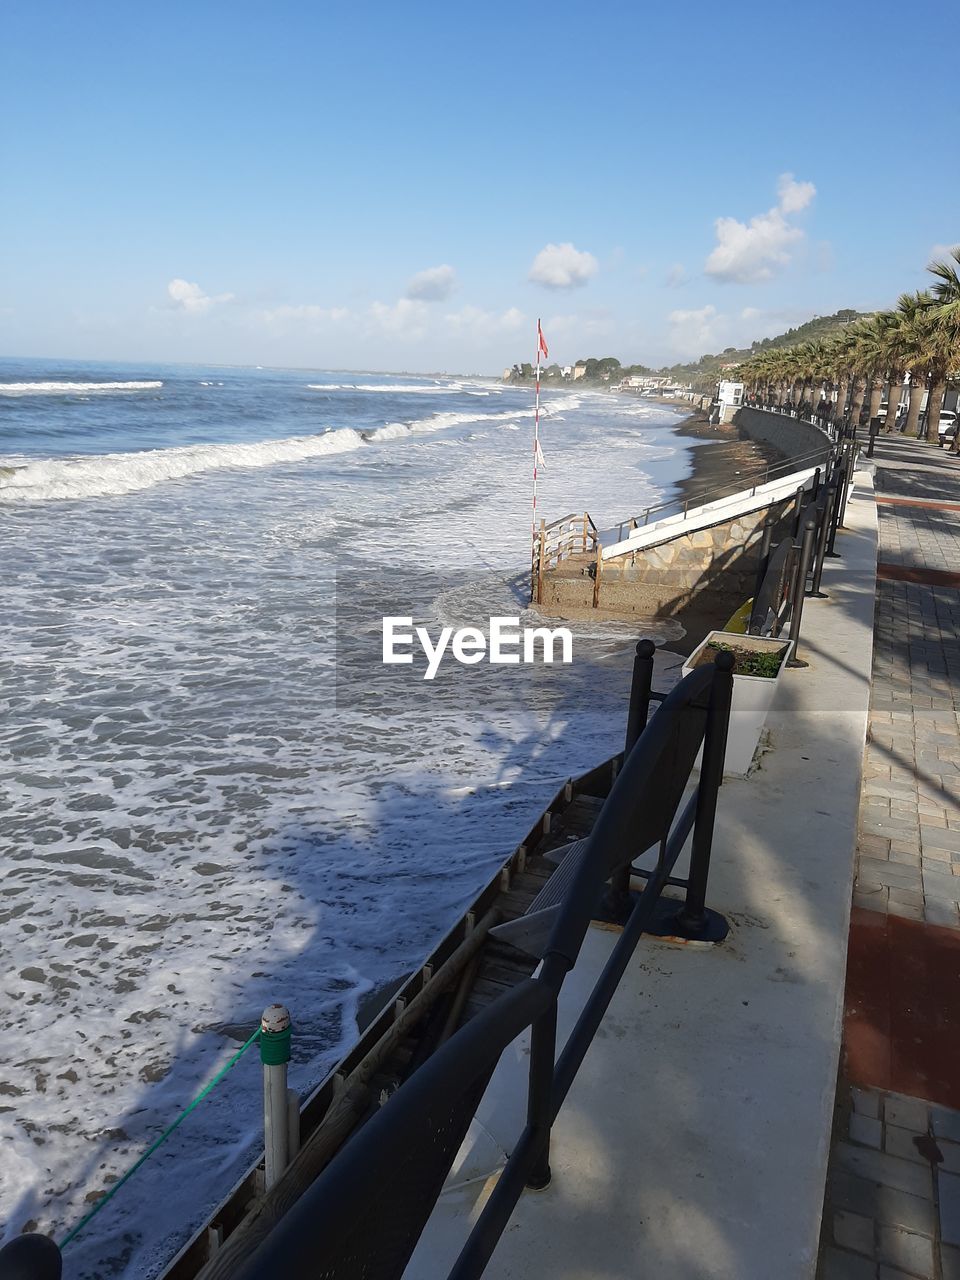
(215, 795)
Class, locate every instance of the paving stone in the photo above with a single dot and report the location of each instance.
(949, 1190)
(939, 837)
(945, 1121)
(941, 913)
(867, 1131)
(912, 1253)
(907, 1113)
(884, 1204)
(900, 1142)
(839, 1265)
(889, 1171)
(905, 910)
(866, 1102)
(852, 1231)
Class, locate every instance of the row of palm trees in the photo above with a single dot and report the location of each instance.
(918, 341)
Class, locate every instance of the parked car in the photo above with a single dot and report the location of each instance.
(948, 425)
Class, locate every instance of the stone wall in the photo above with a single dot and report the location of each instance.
(713, 569)
(794, 439)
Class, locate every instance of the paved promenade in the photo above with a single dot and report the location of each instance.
(892, 1208)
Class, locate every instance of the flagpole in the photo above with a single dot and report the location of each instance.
(536, 454)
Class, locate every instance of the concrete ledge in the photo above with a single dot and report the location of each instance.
(694, 1142)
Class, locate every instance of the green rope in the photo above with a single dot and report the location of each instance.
(163, 1137)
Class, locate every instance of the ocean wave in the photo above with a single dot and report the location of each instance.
(72, 388)
(113, 474)
(396, 388)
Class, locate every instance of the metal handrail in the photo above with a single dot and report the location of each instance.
(728, 489)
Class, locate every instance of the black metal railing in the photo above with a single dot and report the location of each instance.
(793, 569)
(365, 1213)
(748, 482)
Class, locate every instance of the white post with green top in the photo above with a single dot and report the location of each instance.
(275, 1054)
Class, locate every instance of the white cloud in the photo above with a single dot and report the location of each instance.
(405, 317)
(794, 195)
(561, 266)
(749, 252)
(190, 297)
(485, 325)
(695, 330)
(306, 313)
(433, 285)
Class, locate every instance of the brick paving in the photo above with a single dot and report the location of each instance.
(892, 1206)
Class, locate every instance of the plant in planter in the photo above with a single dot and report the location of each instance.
(759, 663)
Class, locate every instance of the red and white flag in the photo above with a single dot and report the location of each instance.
(541, 340)
(538, 455)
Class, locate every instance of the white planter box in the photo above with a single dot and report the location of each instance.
(752, 696)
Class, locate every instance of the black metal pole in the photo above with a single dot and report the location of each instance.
(640, 687)
(694, 921)
(766, 538)
(825, 508)
(841, 487)
(30, 1257)
(543, 1052)
(874, 424)
(815, 486)
(800, 585)
(847, 477)
(617, 898)
(798, 510)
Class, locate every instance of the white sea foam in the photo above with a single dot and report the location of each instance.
(388, 388)
(72, 388)
(112, 474)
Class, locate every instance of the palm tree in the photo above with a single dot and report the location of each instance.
(945, 291)
(913, 337)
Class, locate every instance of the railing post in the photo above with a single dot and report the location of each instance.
(694, 920)
(274, 1055)
(597, 571)
(800, 586)
(543, 1052)
(640, 687)
(798, 510)
(584, 531)
(766, 538)
(815, 487)
(840, 484)
(31, 1257)
(849, 460)
(825, 509)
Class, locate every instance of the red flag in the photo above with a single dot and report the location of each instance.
(542, 342)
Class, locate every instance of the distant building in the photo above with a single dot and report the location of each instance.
(566, 371)
(579, 370)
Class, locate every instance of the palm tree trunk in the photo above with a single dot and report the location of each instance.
(934, 405)
(876, 395)
(893, 400)
(859, 391)
(843, 387)
(917, 389)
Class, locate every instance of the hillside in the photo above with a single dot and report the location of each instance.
(707, 368)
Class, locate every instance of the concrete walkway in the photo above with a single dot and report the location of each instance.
(892, 1207)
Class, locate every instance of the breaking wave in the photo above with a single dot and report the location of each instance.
(72, 388)
(113, 474)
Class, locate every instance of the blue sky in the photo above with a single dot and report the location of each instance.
(410, 186)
